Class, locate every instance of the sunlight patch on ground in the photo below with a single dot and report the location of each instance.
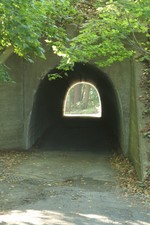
(34, 217)
(43, 217)
(102, 219)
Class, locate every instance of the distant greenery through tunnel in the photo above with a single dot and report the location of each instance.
(83, 100)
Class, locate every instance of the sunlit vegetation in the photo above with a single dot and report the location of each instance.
(106, 30)
(82, 99)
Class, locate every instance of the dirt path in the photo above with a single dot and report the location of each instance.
(64, 187)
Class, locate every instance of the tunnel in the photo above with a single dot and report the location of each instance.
(50, 129)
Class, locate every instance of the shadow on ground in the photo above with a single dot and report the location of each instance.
(65, 187)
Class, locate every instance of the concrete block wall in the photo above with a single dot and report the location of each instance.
(11, 108)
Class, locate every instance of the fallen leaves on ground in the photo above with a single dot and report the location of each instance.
(9, 159)
(128, 180)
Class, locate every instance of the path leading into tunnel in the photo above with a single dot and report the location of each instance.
(78, 137)
(66, 187)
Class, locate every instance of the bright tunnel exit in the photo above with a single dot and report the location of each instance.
(82, 100)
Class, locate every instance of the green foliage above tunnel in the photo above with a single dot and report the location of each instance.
(111, 31)
(106, 30)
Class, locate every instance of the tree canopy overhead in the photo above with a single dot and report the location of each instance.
(107, 30)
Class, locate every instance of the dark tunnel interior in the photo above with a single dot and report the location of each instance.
(49, 129)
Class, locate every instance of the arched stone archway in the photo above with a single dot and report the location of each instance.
(48, 125)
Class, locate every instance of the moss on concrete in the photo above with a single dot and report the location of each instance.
(134, 151)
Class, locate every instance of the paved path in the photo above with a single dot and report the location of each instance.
(68, 188)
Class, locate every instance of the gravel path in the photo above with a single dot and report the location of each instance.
(64, 187)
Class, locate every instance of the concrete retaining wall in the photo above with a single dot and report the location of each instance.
(17, 101)
(11, 108)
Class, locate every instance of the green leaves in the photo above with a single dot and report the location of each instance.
(111, 33)
(25, 23)
(4, 75)
(106, 30)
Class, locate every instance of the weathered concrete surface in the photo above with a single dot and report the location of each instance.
(67, 187)
(16, 99)
(11, 108)
(134, 152)
(27, 110)
(120, 75)
(143, 143)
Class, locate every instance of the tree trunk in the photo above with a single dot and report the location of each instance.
(77, 93)
(86, 96)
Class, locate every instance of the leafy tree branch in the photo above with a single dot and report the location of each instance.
(107, 30)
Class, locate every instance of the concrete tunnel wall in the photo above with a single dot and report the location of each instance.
(49, 99)
(18, 126)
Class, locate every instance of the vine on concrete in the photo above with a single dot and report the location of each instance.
(145, 85)
(145, 98)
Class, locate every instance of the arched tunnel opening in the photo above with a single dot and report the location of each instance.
(50, 129)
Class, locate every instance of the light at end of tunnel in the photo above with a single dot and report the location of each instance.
(82, 100)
